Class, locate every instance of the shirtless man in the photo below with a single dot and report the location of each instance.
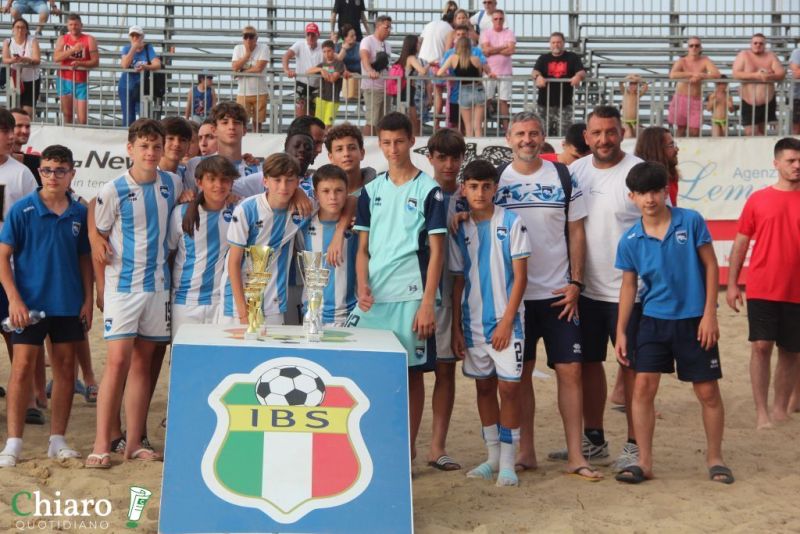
(761, 69)
(686, 107)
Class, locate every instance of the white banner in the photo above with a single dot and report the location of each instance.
(717, 174)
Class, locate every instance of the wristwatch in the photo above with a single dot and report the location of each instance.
(580, 285)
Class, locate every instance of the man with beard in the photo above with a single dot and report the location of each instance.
(22, 132)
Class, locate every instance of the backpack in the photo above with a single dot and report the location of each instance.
(396, 71)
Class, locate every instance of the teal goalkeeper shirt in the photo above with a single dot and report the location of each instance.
(399, 221)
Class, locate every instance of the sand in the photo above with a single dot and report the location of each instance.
(680, 499)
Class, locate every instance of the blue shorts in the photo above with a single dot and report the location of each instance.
(40, 7)
(77, 90)
(399, 318)
(562, 338)
(471, 95)
(665, 344)
(599, 325)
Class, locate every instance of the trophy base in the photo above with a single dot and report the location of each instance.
(251, 335)
(315, 337)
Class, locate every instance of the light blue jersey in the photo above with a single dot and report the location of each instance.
(256, 223)
(339, 296)
(136, 219)
(483, 253)
(199, 260)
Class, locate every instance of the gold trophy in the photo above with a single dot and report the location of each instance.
(259, 259)
(315, 278)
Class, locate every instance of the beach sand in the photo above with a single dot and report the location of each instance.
(680, 499)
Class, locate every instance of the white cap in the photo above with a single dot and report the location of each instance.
(135, 29)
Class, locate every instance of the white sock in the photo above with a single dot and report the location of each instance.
(491, 435)
(57, 442)
(509, 439)
(13, 446)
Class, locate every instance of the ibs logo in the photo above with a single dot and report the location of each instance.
(287, 440)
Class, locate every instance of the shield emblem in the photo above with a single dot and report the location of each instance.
(287, 440)
(502, 232)
(681, 236)
(76, 228)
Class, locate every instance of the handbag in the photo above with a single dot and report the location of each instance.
(159, 79)
(350, 88)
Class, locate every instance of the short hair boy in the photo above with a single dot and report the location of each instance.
(46, 234)
(487, 324)
(345, 145)
(176, 144)
(332, 72)
(397, 273)
(670, 250)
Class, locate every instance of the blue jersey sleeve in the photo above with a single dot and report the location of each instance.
(700, 229)
(625, 260)
(363, 213)
(435, 212)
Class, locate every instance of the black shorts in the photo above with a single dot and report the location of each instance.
(562, 338)
(796, 111)
(304, 91)
(453, 118)
(3, 303)
(599, 325)
(770, 320)
(30, 91)
(755, 115)
(61, 329)
(665, 344)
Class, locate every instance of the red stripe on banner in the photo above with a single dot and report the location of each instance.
(335, 466)
(337, 397)
(723, 234)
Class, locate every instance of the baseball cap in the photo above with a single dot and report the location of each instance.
(312, 28)
(135, 29)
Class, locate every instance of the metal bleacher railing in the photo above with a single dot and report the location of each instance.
(615, 38)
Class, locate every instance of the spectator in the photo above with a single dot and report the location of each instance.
(194, 144)
(22, 49)
(499, 44)
(407, 96)
(207, 138)
(201, 98)
(461, 18)
(29, 7)
(759, 69)
(251, 58)
(331, 70)
(573, 146)
(632, 90)
(307, 54)
(657, 145)
(352, 12)
(686, 107)
(555, 98)
(74, 50)
(472, 98)
(347, 50)
(794, 66)
(140, 57)
(482, 20)
(375, 53)
(433, 45)
(720, 103)
(453, 86)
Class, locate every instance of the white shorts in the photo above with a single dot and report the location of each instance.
(503, 88)
(482, 361)
(192, 314)
(444, 331)
(143, 315)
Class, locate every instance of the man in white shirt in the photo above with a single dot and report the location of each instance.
(307, 54)
(375, 52)
(482, 20)
(251, 58)
(433, 38)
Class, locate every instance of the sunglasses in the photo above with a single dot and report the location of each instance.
(248, 36)
(695, 46)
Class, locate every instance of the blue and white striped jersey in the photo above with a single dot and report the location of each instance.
(482, 253)
(136, 219)
(339, 297)
(254, 222)
(243, 168)
(199, 260)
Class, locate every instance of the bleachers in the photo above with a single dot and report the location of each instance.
(616, 37)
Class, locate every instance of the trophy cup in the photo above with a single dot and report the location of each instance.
(259, 261)
(315, 278)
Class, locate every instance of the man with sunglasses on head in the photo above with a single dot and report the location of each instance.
(686, 107)
(251, 58)
(482, 20)
(759, 69)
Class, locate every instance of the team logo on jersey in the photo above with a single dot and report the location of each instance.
(681, 236)
(523, 228)
(100, 201)
(412, 288)
(227, 215)
(502, 232)
(164, 190)
(107, 324)
(411, 204)
(377, 201)
(312, 229)
(76, 228)
(288, 440)
(259, 223)
(461, 205)
(132, 196)
(296, 218)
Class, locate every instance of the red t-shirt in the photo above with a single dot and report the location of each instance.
(772, 218)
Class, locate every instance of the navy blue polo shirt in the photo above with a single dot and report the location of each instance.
(673, 277)
(46, 251)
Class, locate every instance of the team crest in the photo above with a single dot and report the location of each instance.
(411, 204)
(227, 215)
(681, 236)
(502, 232)
(288, 440)
(164, 190)
(296, 218)
(76, 228)
(107, 324)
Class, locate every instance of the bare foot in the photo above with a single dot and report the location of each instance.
(763, 423)
(779, 416)
(525, 463)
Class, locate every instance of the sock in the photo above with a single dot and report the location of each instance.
(595, 435)
(631, 440)
(491, 435)
(509, 440)
(13, 446)
(57, 442)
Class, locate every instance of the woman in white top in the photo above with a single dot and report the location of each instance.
(21, 53)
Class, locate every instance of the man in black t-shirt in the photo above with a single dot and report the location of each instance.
(22, 132)
(353, 12)
(555, 98)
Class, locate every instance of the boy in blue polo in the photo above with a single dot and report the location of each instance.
(46, 234)
(402, 228)
(670, 250)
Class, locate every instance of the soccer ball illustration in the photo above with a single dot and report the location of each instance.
(290, 386)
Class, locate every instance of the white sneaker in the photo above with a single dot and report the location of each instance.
(628, 457)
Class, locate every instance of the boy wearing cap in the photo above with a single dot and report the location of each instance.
(251, 58)
(140, 57)
(307, 55)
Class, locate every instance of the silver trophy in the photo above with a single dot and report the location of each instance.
(315, 278)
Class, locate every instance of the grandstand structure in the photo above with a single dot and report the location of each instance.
(615, 38)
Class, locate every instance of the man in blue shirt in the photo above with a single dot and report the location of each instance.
(141, 58)
(670, 250)
(46, 234)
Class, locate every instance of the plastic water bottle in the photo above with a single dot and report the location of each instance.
(33, 315)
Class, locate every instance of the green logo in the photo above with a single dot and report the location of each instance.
(139, 498)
